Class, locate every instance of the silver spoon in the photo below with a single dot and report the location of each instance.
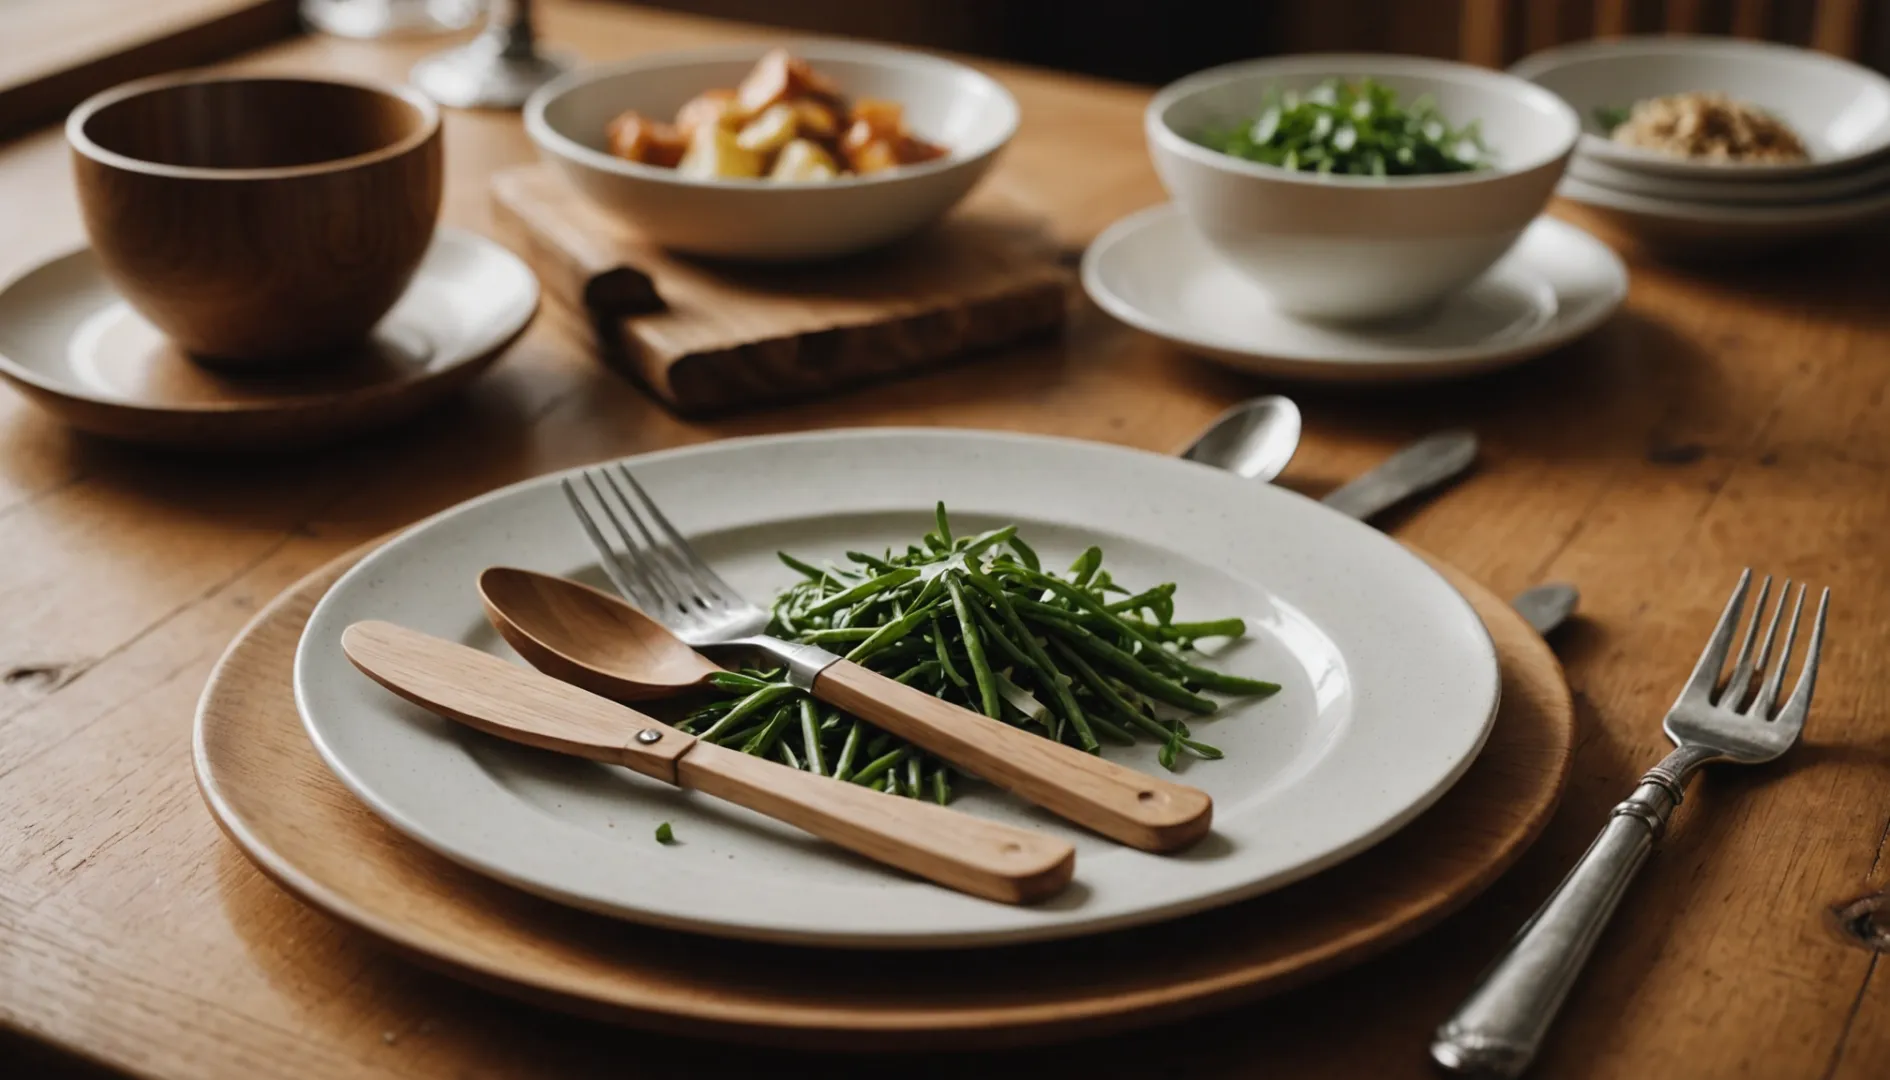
(1256, 438)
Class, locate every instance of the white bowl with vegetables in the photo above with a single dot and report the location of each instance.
(1359, 187)
(817, 150)
(1691, 100)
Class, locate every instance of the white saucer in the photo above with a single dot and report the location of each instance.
(72, 344)
(1153, 272)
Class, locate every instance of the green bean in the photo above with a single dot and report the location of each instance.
(1059, 690)
(889, 633)
(1085, 566)
(768, 694)
(1133, 671)
(1229, 628)
(810, 737)
(979, 545)
(788, 757)
(879, 744)
(871, 562)
(941, 786)
(811, 572)
(881, 765)
(843, 765)
(735, 738)
(915, 776)
(764, 741)
(974, 648)
(1207, 677)
(838, 634)
(847, 598)
(1121, 708)
(1160, 598)
(944, 654)
(944, 526)
(735, 680)
(1025, 553)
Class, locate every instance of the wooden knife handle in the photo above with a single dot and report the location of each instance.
(983, 858)
(503, 699)
(1132, 807)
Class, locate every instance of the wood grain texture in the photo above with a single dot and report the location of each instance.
(709, 337)
(326, 848)
(1731, 415)
(983, 858)
(502, 699)
(59, 54)
(249, 237)
(587, 637)
(1130, 807)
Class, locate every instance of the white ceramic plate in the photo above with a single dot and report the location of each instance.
(1152, 271)
(1841, 110)
(1837, 185)
(1390, 685)
(1703, 227)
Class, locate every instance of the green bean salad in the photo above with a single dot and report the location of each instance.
(977, 621)
(1352, 129)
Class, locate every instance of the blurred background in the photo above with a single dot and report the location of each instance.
(1154, 41)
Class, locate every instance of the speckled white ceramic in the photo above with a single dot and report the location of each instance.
(1390, 686)
(1153, 272)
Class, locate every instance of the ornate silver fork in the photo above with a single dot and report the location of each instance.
(660, 573)
(1500, 1026)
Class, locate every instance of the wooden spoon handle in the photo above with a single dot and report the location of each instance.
(1137, 809)
(983, 858)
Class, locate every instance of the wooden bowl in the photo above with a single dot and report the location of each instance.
(258, 220)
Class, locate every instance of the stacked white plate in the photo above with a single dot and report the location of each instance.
(1840, 110)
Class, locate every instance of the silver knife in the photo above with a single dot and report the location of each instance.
(1424, 465)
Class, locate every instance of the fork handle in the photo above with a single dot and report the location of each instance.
(1132, 807)
(1500, 1026)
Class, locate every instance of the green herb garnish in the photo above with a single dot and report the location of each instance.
(1609, 117)
(977, 621)
(1352, 129)
(665, 834)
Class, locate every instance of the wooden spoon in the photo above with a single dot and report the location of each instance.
(588, 637)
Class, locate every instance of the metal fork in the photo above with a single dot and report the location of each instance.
(1500, 1026)
(655, 568)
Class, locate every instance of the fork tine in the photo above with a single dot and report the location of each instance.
(1792, 716)
(1768, 693)
(707, 579)
(1705, 677)
(606, 555)
(652, 556)
(652, 593)
(1739, 683)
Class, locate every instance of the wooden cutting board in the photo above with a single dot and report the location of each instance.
(711, 336)
(273, 796)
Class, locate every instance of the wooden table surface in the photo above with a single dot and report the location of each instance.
(1730, 416)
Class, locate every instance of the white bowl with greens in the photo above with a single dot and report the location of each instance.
(1359, 187)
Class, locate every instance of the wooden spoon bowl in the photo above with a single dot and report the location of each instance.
(589, 638)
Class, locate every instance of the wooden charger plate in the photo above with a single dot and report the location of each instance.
(278, 802)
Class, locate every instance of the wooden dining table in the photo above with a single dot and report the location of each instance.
(1733, 414)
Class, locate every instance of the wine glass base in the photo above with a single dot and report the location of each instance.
(479, 76)
(390, 18)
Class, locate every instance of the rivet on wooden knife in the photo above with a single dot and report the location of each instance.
(648, 735)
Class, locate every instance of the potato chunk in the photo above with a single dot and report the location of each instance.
(635, 137)
(803, 160)
(780, 76)
(774, 128)
(715, 108)
(715, 154)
